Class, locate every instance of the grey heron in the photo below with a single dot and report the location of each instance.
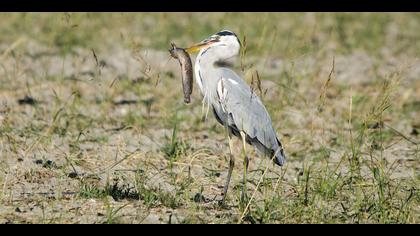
(234, 104)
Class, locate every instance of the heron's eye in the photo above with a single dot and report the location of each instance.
(215, 37)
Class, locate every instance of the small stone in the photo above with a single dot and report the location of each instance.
(376, 125)
(414, 132)
(48, 164)
(72, 175)
(27, 101)
(39, 162)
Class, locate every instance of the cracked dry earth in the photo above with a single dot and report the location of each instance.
(73, 125)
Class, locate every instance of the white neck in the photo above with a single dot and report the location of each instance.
(205, 64)
(201, 64)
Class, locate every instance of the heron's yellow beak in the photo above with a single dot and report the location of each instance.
(197, 47)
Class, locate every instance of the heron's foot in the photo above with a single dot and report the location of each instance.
(222, 205)
(222, 202)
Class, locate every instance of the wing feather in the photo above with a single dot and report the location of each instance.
(245, 107)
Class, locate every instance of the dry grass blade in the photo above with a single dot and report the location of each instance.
(12, 47)
(323, 93)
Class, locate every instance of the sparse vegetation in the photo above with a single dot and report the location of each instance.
(93, 127)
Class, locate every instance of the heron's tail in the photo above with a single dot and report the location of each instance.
(280, 158)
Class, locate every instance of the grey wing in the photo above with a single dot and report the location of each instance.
(248, 114)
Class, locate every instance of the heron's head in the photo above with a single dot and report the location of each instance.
(222, 45)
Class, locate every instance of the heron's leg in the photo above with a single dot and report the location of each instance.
(231, 166)
(246, 162)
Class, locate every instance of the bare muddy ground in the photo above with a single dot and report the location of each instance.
(101, 135)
